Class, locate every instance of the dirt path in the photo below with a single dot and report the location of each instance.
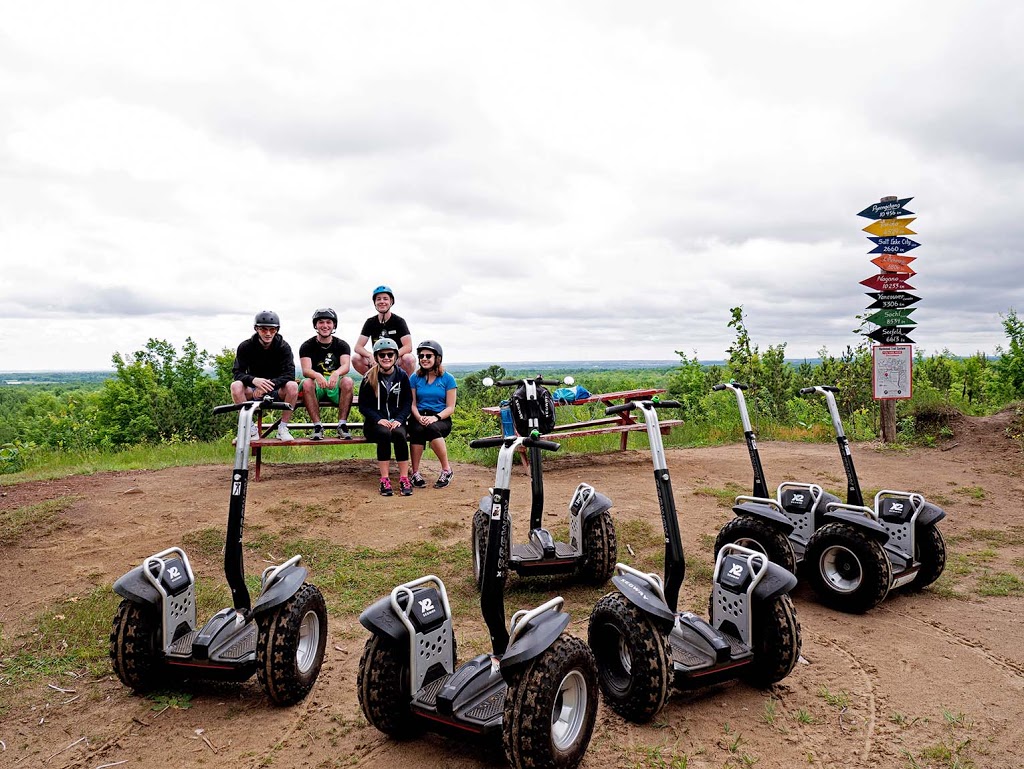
(924, 680)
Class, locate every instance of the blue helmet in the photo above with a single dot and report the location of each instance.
(383, 290)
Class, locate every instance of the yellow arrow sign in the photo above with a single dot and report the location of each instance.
(884, 228)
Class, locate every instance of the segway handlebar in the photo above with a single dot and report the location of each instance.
(539, 379)
(261, 405)
(486, 443)
(823, 388)
(728, 385)
(620, 407)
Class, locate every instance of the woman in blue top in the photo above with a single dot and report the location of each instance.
(433, 403)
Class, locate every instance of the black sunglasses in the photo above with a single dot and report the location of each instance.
(385, 355)
(426, 355)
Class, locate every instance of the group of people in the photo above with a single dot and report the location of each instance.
(406, 399)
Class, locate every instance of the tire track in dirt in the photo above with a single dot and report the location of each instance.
(868, 674)
(1011, 667)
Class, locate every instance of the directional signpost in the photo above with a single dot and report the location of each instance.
(891, 356)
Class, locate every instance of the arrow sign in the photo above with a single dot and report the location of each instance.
(893, 245)
(891, 335)
(892, 318)
(887, 210)
(890, 227)
(895, 263)
(887, 281)
(892, 300)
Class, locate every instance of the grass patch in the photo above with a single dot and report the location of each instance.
(974, 492)
(839, 701)
(726, 497)
(445, 529)
(1000, 584)
(33, 521)
(1012, 535)
(71, 636)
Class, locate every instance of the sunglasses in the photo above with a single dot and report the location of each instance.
(385, 355)
(426, 355)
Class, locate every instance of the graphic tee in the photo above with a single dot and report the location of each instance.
(325, 359)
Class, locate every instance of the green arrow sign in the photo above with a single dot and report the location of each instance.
(892, 318)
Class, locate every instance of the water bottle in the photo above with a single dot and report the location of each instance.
(508, 429)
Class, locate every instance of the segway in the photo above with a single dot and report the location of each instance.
(644, 647)
(281, 637)
(538, 686)
(591, 550)
(852, 566)
(779, 527)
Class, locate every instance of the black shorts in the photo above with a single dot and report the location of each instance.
(420, 435)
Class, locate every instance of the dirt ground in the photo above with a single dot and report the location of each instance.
(931, 679)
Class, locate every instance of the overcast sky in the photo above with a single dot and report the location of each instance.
(535, 180)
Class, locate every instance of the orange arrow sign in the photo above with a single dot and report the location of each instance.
(894, 263)
(890, 227)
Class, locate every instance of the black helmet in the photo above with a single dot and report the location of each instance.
(430, 344)
(384, 344)
(325, 312)
(383, 290)
(267, 318)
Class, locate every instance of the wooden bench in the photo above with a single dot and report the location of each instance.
(267, 440)
(623, 423)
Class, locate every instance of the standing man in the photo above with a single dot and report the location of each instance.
(384, 325)
(264, 365)
(324, 360)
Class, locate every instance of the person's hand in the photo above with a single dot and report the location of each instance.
(333, 381)
(262, 386)
(320, 380)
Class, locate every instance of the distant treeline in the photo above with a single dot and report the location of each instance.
(161, 395)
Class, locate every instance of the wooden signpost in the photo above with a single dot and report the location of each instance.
(892, 353)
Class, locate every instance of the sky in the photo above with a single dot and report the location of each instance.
(535, 180)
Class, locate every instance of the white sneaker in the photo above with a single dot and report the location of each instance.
(254, 432)
(283, 434)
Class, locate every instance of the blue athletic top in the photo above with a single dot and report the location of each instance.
(432, 397)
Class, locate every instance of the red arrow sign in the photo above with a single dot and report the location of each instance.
(895, 263)
(887, 281)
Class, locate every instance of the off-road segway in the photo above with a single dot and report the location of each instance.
(281, 637)
(644, 646)
(591, 550)
(781, 526)
(852, 566)
(538, 687)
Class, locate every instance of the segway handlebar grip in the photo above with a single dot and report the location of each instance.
(737, 385)
(806, 390)
(667, 404)
(229, 407)
(620, 407)
(540, 443)
(486, 443)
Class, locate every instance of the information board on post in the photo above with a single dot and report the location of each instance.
(891, 371)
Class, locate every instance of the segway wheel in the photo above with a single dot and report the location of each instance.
(290, 647)
(849, 570)
(600, 550)
(747, 531)
(634, 662)
(384, 686)
(551, 707)
(481, 522)
(930, 552)
(135, 646)
(776, 641)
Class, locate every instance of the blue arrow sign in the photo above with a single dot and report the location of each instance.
(893, 245)
(887, 210)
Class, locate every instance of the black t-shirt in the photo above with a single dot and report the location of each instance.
(325, 359)
(394, 328)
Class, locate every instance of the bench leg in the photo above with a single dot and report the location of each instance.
(622, 441)
(257, 454)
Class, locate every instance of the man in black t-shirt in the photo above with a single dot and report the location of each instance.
(324, 360)
(265, 365)
(385, 324)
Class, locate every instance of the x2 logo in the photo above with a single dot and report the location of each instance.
(736, 570)
(174, 574)
(426, 607)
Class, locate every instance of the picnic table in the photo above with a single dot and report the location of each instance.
(622, 423)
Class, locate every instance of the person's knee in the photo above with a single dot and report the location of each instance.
(346, 384)
(238, 392)
(290, 390)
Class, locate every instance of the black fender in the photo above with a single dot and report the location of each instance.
(930, 514)
(639, 594)
(381, 620)
(286, 585)
(765, 513)
(534, 641)
(775, 582)
(597, 505)
(136, 588)
(869, 526)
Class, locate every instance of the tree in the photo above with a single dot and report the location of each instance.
(1009, 367)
